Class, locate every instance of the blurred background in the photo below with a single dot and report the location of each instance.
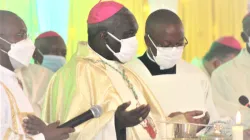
(204, 20)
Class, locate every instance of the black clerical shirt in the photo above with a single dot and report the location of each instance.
(153, 68)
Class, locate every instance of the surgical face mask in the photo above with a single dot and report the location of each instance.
(128, 48)
(53, 62)
(167, 57)
(20, 53)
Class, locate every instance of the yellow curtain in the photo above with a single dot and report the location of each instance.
(78, 15)
(141, 10)
(207, 20)
(77, 30)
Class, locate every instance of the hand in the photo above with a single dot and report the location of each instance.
(247, 134)
(190, 117)
(33, 125)
(51, 132)
(174, 114)
(131, 118)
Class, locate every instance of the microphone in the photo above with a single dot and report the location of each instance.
(244, 101)
(93, 112)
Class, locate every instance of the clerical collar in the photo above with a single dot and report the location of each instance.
(6, 71)
(154, 68)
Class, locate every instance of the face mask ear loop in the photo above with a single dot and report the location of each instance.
(152, 59)
(247, 38)
(3, 51)
(152, 41)
(110, 49)
(5, 40)
(114, 37)
(153, 45)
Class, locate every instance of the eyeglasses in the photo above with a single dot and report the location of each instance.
(182, 43)
(22, 34)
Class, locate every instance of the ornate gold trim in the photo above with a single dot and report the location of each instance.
(7, 134)
(13, 106)
(14, 115)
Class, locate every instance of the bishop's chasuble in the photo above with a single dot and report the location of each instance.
(35, 80)
(87, 80)
(229, 82)
(14, 108)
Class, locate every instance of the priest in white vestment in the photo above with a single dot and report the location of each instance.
(177, 85)
(14, 106)
(221, 51)
(232, 80)
(16, 50)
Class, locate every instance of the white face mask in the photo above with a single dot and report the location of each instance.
(20, 53)
(167, 57)
(128, 48)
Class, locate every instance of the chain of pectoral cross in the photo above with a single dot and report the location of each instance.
(122, 72)
(148, 123)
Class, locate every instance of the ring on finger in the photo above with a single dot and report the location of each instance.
(140, 119)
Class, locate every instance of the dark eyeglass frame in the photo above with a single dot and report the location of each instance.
(185, 43)
(22, 35)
